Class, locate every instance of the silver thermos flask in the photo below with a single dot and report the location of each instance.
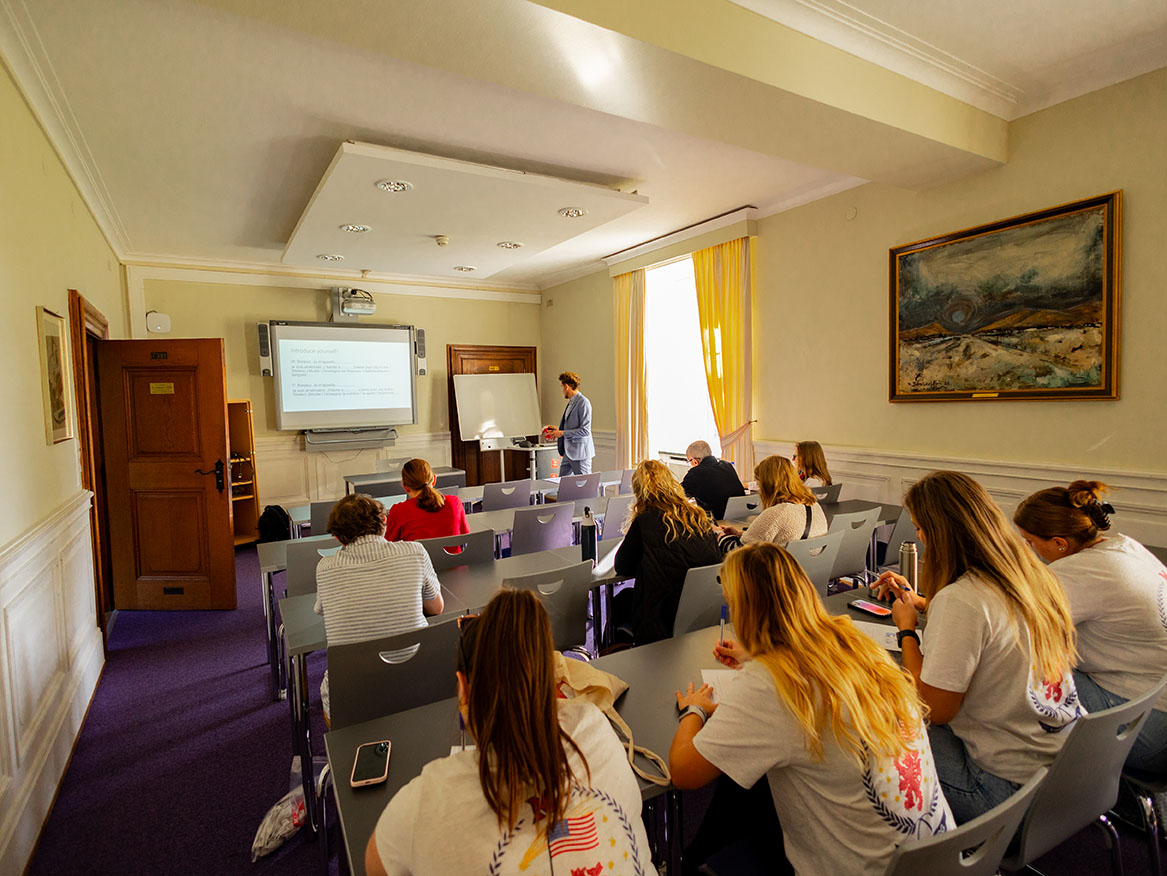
(587, 536)
(909, 562)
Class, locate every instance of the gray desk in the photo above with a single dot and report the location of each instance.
(447, 476)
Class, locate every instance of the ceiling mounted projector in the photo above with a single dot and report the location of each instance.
(356, 302)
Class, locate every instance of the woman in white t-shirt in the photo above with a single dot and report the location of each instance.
(823, 713)
(811, 463)
(548, 790)
(1118, 598)
(790, 510)
(998, 648)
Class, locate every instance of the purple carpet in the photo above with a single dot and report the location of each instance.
(183, 751)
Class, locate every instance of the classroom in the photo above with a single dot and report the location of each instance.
(888, 159)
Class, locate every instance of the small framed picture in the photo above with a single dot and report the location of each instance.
(54, 376)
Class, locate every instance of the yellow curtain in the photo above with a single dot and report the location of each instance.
(631, 381)
(724, 277)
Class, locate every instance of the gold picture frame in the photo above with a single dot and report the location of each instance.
(55, 380)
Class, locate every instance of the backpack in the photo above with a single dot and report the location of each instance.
(274, 524)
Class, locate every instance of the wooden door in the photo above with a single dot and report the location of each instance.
(481, 468)
(164, 432)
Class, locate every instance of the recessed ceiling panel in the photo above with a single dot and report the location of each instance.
(471, 207)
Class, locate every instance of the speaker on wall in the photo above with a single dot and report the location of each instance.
(264, 349)
(419, 350)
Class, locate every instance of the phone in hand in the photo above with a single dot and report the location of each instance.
(371, 765)
(872, 608)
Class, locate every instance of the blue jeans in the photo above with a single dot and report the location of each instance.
(1149, 753)
(574, 466)
(970, 790)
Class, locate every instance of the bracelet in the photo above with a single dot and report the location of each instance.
(694, 710)
(907, 634)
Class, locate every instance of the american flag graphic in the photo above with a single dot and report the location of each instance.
(574, 835)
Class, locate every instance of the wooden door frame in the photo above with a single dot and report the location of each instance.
(87, 321)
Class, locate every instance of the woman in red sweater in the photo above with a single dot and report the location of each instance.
(426, 513)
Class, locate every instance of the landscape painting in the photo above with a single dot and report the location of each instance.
(1024, 308)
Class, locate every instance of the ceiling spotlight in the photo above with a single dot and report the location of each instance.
(509, 244)
(394, 186)
(355, 229)
(572, 212)
(330, 257)
(466, 269)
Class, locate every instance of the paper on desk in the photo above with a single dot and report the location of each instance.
(881, 634)
(719, 678)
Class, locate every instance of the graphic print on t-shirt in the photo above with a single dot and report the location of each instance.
(1056, 702)
(594, 837)
(1161, 594)
(905, 791)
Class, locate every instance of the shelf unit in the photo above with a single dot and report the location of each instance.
(244, 483)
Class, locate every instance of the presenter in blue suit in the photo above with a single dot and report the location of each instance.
(574, 435)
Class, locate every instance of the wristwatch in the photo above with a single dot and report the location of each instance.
(694, 710)
(907, 634)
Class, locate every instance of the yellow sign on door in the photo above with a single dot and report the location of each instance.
(161, 389)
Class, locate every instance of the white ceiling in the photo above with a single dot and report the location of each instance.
(198, 131)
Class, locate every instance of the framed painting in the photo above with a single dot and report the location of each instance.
(54, 376)
(1023, 308)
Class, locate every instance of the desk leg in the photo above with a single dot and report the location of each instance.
(269, 616)
(302, 738)
(674, 829)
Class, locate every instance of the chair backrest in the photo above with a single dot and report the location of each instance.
(1083, 779)
(318, 515)
(449, 491)
(817, 557)
(827, 495)
(542, 527)
(857, 528)
(973, 849)
(741, 507)
(475, 547)
(302, 559)
(388, 487)
(701, 600)
(572, 487)
(904, 530)
(626, 482)
(368, 680)
(564, 593)
(510, 494)
(614, 515)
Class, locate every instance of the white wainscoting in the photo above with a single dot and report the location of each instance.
(1139, 497)
(50, 660)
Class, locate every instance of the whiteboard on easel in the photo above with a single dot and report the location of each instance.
(496, 406)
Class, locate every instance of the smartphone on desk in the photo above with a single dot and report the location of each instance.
(371, 765)
(872, 608)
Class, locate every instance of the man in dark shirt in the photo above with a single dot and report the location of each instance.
(711, 481)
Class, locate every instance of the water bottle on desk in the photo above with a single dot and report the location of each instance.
(909, 562)
(587, 536)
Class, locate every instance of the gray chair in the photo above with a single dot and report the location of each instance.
(625, 482)
(368, 680)
(740, 507)
(827, 495)
(564, 593)
(302, 559)
(614, 515)
(387, 487)
(542, 527)
(1082, 784)
(572, 487)
(476, 547)
(701, 600)
(449, 491)
(857, 528)
(318, 515)
(1146, 788)
(904, 530)
(817, 558)
(510, 494)
(973, 849)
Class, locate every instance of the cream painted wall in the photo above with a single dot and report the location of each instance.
(49, 243)
(821, 312)
(579, 335)
(212, 310)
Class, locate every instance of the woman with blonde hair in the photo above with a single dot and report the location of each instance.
(789, 510)
(426, 513)
(1000, 644)
(668, 535)
(823, 713)
(1118, 598)
(811, 463)
(547, 788)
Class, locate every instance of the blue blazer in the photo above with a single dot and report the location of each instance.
(576, 424)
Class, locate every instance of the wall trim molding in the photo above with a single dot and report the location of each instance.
(23, 549)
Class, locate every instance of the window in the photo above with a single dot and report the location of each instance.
(679, 411)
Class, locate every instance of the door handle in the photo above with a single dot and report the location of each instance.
(217, 471)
